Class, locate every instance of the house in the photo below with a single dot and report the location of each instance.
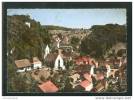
(108, 70)
(117, 63)
(48, 87)
(28, 24)
(99, 76)
(119, 46)
(67, 56)
(122, 52)
(87, 77)
(88, 86)
(36, 63)
(75, 77)
(83, 68)
(112, 72)
(65, 40)
(75, 80)
(101, 86)
(23, 65)
(67, 48)
(92, 70)
(118, 49)
(83, 60)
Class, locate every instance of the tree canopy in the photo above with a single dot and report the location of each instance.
(27, 41)
(102, 38)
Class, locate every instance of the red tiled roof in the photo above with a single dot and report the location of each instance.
(48, 87)
(85, 83)
(87, 77)
(84, 59)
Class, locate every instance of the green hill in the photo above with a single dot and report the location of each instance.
(52, 27)
(102, 38)
(28, 42)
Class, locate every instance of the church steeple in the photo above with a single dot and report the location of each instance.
(59, 61)
(47, 51)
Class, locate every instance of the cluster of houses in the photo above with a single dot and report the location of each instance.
(87, 76)
(54, 59)
(88, 73)
(82, 76)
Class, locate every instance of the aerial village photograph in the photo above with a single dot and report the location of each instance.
(66, 50)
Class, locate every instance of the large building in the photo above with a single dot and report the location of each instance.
(23, 65)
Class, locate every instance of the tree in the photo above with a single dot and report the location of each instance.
(75, 42)
(28, 42)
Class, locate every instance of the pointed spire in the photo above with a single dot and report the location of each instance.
(47, 51)
(58, 42)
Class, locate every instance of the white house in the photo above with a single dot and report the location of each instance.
(47, 51)
(59, 61)
(92, 70)
(28, 24)
(23, 65)
(36, 63)
(108, 70)
(89, 87)
(21, 70)
(76, 78)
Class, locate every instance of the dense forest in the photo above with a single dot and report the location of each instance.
(24, 41)
(102, 38)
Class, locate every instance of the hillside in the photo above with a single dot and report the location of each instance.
(26, 41)
(52, 27)
(103, 38)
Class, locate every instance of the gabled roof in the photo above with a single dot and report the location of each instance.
(87, 77)
(48, 87)
(22, 63)
(51, 57)
(75, 76)
(36, 60)
(85, 83)
(100, 86)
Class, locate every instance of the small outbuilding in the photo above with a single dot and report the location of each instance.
(36, 63)
(23, 65)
